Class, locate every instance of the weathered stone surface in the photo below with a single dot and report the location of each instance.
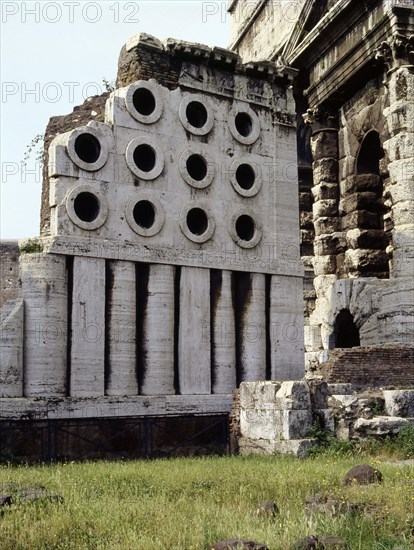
(325, 170)
(325, 190)
(260, 395)
(11, 345)
(5, 500)
(330, 507)
(45, 294)
(306, 221)
(359, 201)
(399, 402)
(319, 392)
(361, 219)
(267, 510)
(324, 144)
(362, 474)
(307, 543)
(296, 424)
(238, 544)
(381, 425)
(366, 238)
(326, 225)
(329, 542)
(340, 389)
(325, 265)
(193, 347)
(360, 183)
(9, 271)
(329, 244)
(366, 260)
(293, 395)
(325, 208)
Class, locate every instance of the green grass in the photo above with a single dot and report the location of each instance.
(190, 503)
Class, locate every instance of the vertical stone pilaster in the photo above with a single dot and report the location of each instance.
(44, 287)
(121, 332)
(328, 246)
(400, 150)
(194, 354)
(325, 190)
(158, 332)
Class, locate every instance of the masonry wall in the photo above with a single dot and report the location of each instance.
(169, 265)
(371, 367)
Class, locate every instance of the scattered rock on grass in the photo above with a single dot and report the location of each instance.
(363, 474)
(268, 510)
(5, 500)
(307, 543)
(326, 542)
(329, 542)
(319, 503)
(238, 544)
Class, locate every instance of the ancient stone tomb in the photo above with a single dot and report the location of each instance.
(172, 266)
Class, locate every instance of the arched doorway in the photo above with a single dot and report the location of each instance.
(372, 238)
(369, 155)
(345, 330)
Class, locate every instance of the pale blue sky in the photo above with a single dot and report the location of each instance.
(54, 55)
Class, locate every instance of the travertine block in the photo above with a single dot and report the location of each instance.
(121, 344)
(293, 395)
(223, 332)
(11, 348)
(253, 331)
(286, 324)
(158, 332)
(44, 287)
(87, 353)
(194, 359)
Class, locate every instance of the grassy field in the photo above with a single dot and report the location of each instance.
(190, 503)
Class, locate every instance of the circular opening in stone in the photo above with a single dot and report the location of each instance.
(197, 221)
(143, 101)
(196, 114)
(87, 147)
(144, 157)
(245, 176)
(244, 124)
(245, 227)
(144, 214)
(86, 206)
(197, 167)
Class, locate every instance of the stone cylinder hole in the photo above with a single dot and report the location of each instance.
(197, 221)
(144, 214)
(87, 206)
(196, 167)
(144, 157)
(244, 124)
(245, 176)
(196, 114)
(87, 147)
(143, 101)
(245, 227)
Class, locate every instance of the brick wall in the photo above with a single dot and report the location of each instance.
(374, 366)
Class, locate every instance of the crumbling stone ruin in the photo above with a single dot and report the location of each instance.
(218, 202)
(355, 109)
(168, 268)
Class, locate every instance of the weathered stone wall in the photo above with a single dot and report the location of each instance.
(9, 271)
(260, 28)
(171, 265)
(286, 417)
(93, 108)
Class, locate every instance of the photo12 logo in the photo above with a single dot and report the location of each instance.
(70, 12)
